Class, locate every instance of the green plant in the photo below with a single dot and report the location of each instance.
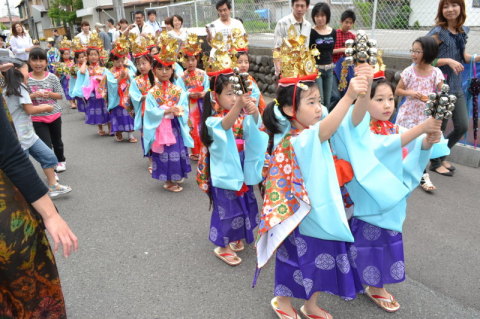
(416, 25)
(64, 11)
(366, 11)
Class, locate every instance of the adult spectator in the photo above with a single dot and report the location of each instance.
(57, 38)
(25, 197)
(84, 35)
(140, 27)
(451, 37)
(323, 37)
(123, 30)
(112, 31)
(20, 42)
(3, 45)
(297, 18)
(107, 44)
(178, 32)
(225, 23)
(347, 21)
(152, 21)
(168, 24)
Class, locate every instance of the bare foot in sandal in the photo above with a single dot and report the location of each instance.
(172, 187)
(382, 298)
(227, 255)
(427, 184)
(237, 245)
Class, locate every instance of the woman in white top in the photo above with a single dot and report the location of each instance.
(20, 42)
(178, 32)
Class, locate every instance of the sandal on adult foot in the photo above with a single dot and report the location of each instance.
(282, 314)
(174, 188)
(310, 316)
(228, 258)
(447, 173)
(451, 168)
(237, 246)
(427, 184)
(387, 304)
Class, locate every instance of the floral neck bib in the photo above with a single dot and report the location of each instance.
(383, 127)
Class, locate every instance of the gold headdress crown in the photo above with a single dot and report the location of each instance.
(65, 44)
(139, 47)
(239, 41)
(77, 45)
(168, 49)
(95, 42)
(192, 46)
(297, 60)
(151, 40)
(223, 60)
(104, 54)
(121, 47)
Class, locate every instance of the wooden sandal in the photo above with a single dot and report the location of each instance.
(237, 246)
(234, 259)
(133, 140)
(381, 301)
(174, 188)
(328, 315)
(282, 314)
(102, 133)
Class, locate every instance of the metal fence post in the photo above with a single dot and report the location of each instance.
(374, 19)
(233, 9)
(196, 13)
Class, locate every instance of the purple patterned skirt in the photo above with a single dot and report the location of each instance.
(64, 82)
(80, 104)
(233, 217)
(377, 254)
(96, 112)
(173, 164)
(305, 265)
(121, 120)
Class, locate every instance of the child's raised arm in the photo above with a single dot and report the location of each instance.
(233, 114)
(430, 126)
(31, 109)
(360, 84)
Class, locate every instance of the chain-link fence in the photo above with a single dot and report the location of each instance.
(393, 23)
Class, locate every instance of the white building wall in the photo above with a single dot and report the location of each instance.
(425, 11)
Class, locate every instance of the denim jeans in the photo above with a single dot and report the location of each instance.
(460, 127)
(42, 154)
(324, 83)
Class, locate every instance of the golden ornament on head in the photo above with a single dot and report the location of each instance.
(168, 46)
(65, 44)
(140, 47)
(295, 58)
(223, 59)
(239, 41)
(121, 47)
(95, 42)
(77, 45)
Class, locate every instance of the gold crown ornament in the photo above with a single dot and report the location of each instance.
(104, 54)
(77, 46)
(139, 48)
(297, 61)
(192, 46)
(95, 42)
(151, 40)
(239, 41)
(121, 47)
(223, 61)
(168, 49)
(65, 44)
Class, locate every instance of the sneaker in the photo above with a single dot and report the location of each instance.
(56, 177)
(61, 167)
(58, 189)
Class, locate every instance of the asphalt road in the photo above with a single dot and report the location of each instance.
(145, 253)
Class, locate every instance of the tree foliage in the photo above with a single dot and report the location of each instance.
(64, 10)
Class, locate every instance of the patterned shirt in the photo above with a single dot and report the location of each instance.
(49, 83)
(342, 37)
(281, 30)
(452, 46)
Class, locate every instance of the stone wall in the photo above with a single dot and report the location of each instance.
(263, 71)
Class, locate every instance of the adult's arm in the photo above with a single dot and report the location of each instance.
(15, 163)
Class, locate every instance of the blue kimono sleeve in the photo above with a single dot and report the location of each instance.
(82, 80)
(181, 83)
(367, 188)
(136, 97)
(256, 143)
(327, 219)
(440, 149)
(71, 86)
(183, 120)
(112, 90)
(255, 93)
(152, 118)
(225, 167)
(206, 83)
(132, 69)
